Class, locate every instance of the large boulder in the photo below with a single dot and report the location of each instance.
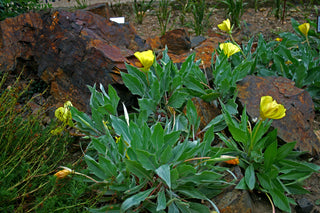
(68, 50)
(297, 125)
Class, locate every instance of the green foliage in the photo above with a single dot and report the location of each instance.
(81, 4)
(140, 8)
(29, 155)
(201, 18)
(269, 168)
(17, 7)
(150, 161)
(184, 7)
(293, 58)
(166, 87)
(234, 11)
(163, 15)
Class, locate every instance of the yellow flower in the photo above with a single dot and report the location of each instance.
(229, 49)
(63, 173)
(146, 58)
(232, 160)
(304, 28)
(278, 39)
(225, 26)
(63, 113)
(269, 108)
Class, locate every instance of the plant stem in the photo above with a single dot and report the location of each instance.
(273, 208)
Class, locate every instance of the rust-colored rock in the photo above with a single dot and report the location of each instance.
(297, 124)
(99, 9)
(205, 111)
(204, 52)
(177, 41)
(68, 50)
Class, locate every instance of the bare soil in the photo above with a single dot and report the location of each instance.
(252, 22)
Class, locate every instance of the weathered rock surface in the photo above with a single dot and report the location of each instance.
(68, 50)
(177, 41)
(297, 124)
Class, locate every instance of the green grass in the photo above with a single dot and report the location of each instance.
(30, 155)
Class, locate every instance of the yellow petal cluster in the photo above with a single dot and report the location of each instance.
(304, 28)
(229, 49)
(63, 113)
(269, 108)
(146, 58)
(225, 26)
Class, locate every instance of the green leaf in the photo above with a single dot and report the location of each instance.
(133, 84)
(207, 141)
(95, 167)
(161, 201)
(109, 168)
(107, 208)
(177, 99)
(242, 185)
(249, 177)
(280, 200)
(192, 114)
(198, 208)
(157, 138)
(285, 150)
(192, 193)
(270, 155)
(84, 122)
(135, 199)
(147, 104)
(185, 170)
(165, 154)
(172, 208)
(203, 177)
(99, 145)
(164, 173)
(147, 160)
(136, 168)
(121, 128)
(155, 92)
(114, 98)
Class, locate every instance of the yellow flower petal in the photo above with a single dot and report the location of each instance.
(304, 28)
(269, 108)
(63, 173)
(229, 49)
(225, 26)
(146, 58)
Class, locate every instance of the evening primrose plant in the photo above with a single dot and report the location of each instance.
(268, 167)
(153, 159)
(294, 56)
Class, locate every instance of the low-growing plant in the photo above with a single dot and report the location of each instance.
(14, 8)
(153, 159)
(234, 11)
(184, 7)
(140, 8)
(294, 56)
(200, 16)
(29, 154)
(269, 168)
(81, 4)
(163, 15)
